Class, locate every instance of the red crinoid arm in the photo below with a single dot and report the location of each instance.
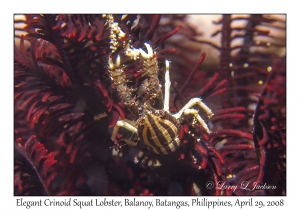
(163, 38)
(201, 59)
(230, 132)
(69, 147)
(83, 32)
(107, 100)
(204, 162)
(120, 110)
(227, 116)
(264, 139)
(30, 110)
(46, 96)
(37, 155)
(203, 153)
(216, 180)
(101, 87)
(27, 101)
(50, 178)
(113, 118)
(47, 165)
(38, 113)
(18, 181)
(219, 156)
(165, 51)
(221, 84)
(153, 27)
(233, 148)
(181, 133)
(200, 148)
(100, 27)
(108, 103)
(60, 140)
(208, 86)
(224, 114)
(217, 165)
(262, 163)
(216, 93)
(40, 151)
(73, 154)
(229, 110)
(263, 143)
(20, 55)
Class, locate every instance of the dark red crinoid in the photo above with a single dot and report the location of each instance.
(65, 107)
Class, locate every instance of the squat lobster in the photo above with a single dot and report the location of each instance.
(157, 128)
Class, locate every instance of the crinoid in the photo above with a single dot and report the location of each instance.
(114, 105)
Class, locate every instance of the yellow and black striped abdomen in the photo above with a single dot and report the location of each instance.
(160, 134)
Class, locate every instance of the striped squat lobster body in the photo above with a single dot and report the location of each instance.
(159, 130)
